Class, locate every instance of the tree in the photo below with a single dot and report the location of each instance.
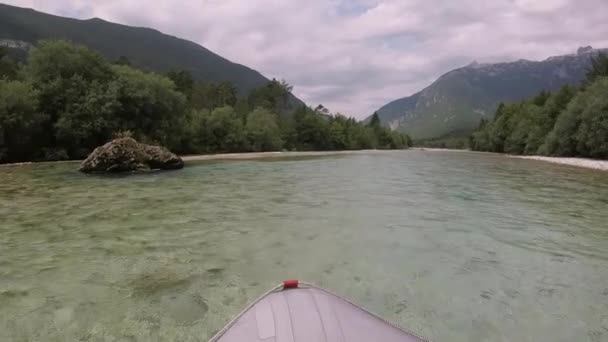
(123, 60)
(62, 74)
(226, 94)
(545, 120)
(483, 122)
(400, 141)
(384, 138)
(211, 96)
(592, 134)
(89, 120)
(68, 100)
(312, 130)
(363, 137)
(287, 88)
(289, 135)
(197, 132)
(8, 67)
(492, 136)
(581, 129)
(499, 111)
(184, 83)
(541, 98)
(284, 94)
(242, 108)
(150, 107)
(523, 119)
(274, 96)
(480, 140)
(338, 135)
(503, 127)
(225, 131)
(20, 121)
(544, 124)
(263, 132)
(598, 68)
(59, 60)
(559, 102)
(375, 120)
(322, 110)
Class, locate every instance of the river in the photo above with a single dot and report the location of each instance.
(456, 246)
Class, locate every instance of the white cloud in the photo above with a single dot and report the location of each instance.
(356, 55)
(540, 5)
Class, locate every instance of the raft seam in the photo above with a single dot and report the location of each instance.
(293, 335)
(314, 300)
(331, 307)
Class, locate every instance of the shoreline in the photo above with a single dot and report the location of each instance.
(438, 149)
(272, 155)
(595, 164)
(231, 156)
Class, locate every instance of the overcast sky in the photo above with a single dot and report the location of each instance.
(355, 55)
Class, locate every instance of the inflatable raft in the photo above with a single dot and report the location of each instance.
(300, 312)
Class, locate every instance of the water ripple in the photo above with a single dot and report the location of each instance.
(456, 246)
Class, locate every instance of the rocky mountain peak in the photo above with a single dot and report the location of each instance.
(584, 50)
(458, 99)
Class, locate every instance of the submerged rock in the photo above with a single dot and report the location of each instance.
(126, 154)
(184, 308)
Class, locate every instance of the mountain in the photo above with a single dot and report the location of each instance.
(460, 98)
(145, 48)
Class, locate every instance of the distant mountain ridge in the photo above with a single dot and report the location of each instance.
(145, 48)
(457, 100)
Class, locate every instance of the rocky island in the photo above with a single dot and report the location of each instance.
(126, 154)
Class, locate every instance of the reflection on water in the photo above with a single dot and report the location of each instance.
(455, 246)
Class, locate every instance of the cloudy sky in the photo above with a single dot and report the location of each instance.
(355, 55)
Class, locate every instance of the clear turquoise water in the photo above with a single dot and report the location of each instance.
(455, 246)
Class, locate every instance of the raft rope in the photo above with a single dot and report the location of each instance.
(295, 284)
(231, 323)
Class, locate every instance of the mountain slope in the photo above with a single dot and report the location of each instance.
(145, 48)
(460, 98)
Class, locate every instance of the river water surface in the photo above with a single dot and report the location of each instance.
(455, 246)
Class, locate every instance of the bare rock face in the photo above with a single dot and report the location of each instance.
(126, 154)
(160, 158)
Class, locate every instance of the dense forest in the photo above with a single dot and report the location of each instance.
(569, 122)
(454, 140)
(65, 100)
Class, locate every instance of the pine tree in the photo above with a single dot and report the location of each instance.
(375, 120)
